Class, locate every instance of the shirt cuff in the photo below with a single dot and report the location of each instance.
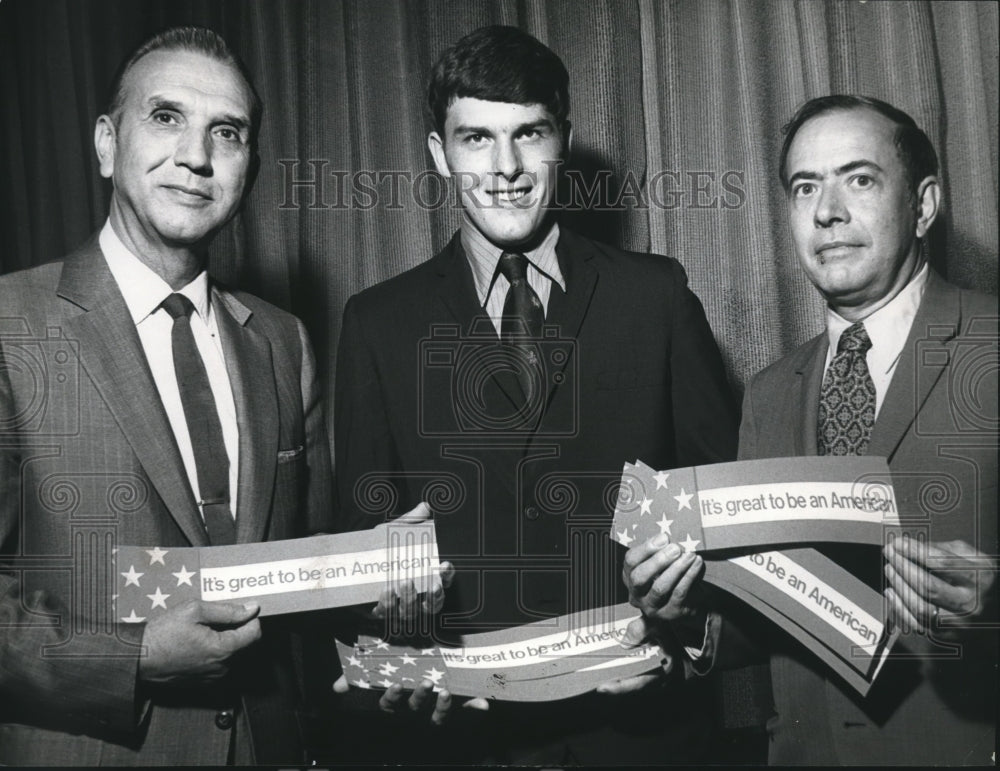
(699, 661)
(696, 654)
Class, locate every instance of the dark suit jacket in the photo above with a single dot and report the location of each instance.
(934, 704)
(87, 460)
(523, 508)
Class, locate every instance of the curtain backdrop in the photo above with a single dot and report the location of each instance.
(676, 108)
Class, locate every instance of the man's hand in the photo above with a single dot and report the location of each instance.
(639, 631)
(947, 580)
(403, 603)
(192, 642)
(662, 580)
(394, 700)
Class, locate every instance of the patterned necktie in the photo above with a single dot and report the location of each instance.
(847, 398)
(521, 326)
(203, 423)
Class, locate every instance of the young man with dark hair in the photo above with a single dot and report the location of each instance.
(519, 369)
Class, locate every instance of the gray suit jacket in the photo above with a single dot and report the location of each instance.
(935, 703)
(88, 460)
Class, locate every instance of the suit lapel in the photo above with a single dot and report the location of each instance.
(934, 328)
(457, 290)
(250, 369)
(567, 313)
(111, 354)
(805, 393)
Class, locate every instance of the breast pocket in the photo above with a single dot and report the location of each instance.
(289, 480)
(288, 456)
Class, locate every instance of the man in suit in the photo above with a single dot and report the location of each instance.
(906, 369)
(143, 403)
(507, 380)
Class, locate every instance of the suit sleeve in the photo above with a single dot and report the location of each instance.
(319, 493)
(48, 675)
(704, 411)
(365, 457)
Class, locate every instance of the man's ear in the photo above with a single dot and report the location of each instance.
(105, 139)
(436, 145)
(568, 139)
(928, 204)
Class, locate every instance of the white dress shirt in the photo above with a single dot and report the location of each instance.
(143, 291)
(887, 328)
(492, 286)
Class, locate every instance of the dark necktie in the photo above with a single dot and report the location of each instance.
(521, 326)
(847, 398)
(203, 424)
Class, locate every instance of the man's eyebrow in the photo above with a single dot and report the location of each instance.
(470, 129)
(535, 124)
(837, 172)
(811, 175)
(157, 102)
(855, 165)
(518, 129)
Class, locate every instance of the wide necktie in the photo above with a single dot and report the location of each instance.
(521, 326)
(203, 423)
(847, 398)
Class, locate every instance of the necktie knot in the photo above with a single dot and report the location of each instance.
(513, 266)
(854, 338)
(177, 305)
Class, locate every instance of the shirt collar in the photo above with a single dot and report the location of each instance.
(484, 256)
(887, 328)
(141, 287)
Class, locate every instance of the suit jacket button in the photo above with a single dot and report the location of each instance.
(531, 512)
(224, 720)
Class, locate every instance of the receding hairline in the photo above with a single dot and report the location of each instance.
(125, 84)
(893, 129)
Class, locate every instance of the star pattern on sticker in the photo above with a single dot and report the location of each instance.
(683, 500)
(156, 555)
(365, 662)
(131, 618)
(362, 683)
(689, 544)
(623, 537)
(131, 577)
(156, 582)
(664, 525)
(644, 506)
(381, 645)
(661, 480)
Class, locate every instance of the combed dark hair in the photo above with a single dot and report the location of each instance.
(195, 40)
(914, 147)
(499, 64)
